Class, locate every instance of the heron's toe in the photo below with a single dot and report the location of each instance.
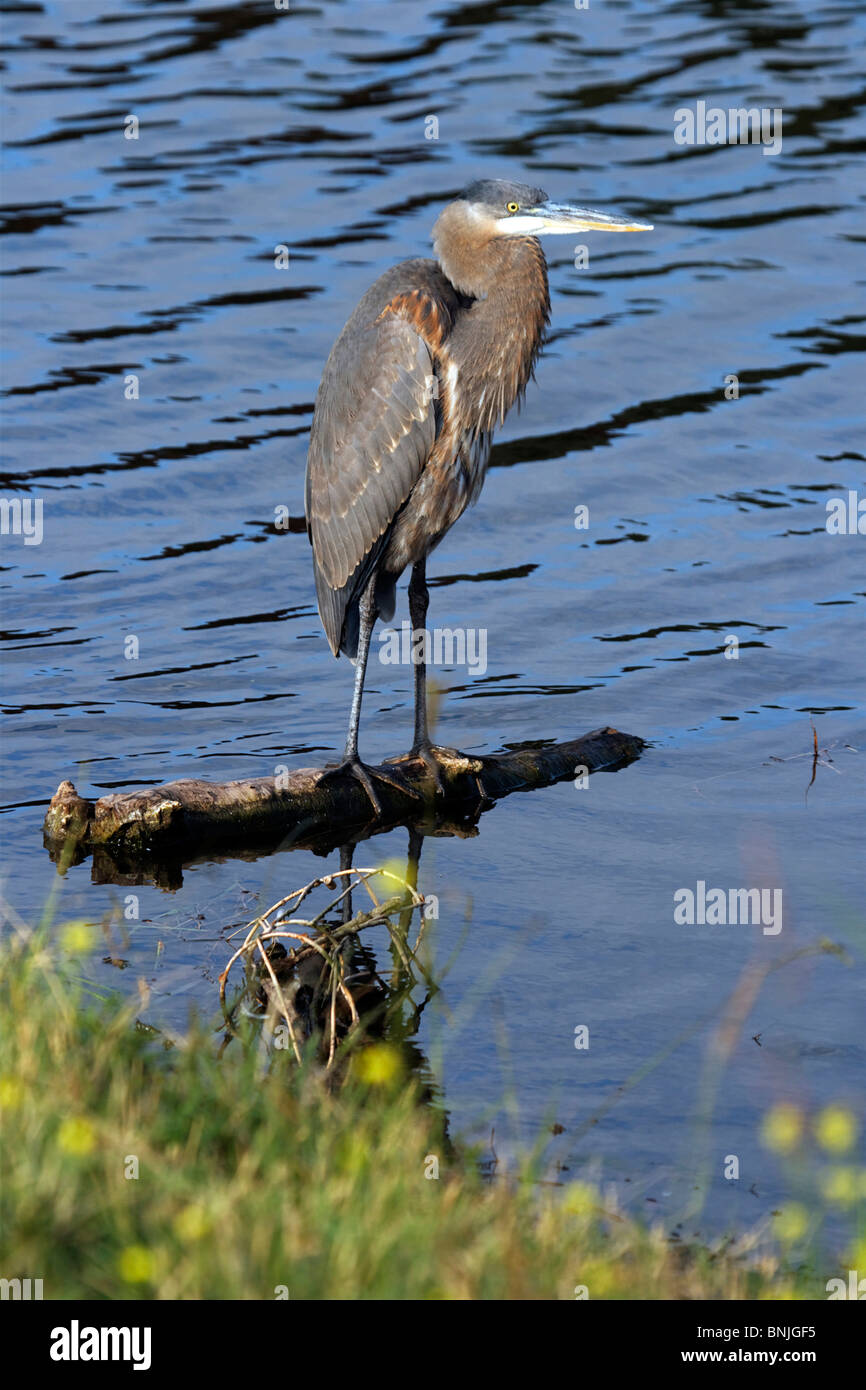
(353, 767)
(436, 758)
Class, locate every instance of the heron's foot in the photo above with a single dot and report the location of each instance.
(435, 756)
(353, 767)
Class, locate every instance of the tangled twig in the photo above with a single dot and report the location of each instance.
(320, 936)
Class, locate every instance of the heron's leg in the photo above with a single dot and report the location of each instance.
(352, 762)
(419, 601)
(432, 755)
(367, 612)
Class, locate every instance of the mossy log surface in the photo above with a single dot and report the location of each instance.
(196, 814)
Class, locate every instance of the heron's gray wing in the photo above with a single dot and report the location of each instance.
(373, 430)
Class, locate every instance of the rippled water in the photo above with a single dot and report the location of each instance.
(155, 257)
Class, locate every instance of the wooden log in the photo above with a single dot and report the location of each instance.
(304, 806)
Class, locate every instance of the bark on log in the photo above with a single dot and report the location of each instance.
(193, 815)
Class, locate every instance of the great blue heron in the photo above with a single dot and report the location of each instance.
(430, 362)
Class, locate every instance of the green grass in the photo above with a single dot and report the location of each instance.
(256, 1176)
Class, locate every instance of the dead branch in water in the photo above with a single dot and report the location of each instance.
(192, 815)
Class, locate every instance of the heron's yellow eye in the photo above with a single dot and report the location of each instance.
(513, 207)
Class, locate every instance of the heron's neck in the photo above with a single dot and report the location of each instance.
(480, 265)
(496, 337)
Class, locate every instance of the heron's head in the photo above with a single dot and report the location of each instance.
(491, 209)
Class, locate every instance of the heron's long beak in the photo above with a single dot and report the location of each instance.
(563, 219)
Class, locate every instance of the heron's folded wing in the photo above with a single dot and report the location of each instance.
(373, 431)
